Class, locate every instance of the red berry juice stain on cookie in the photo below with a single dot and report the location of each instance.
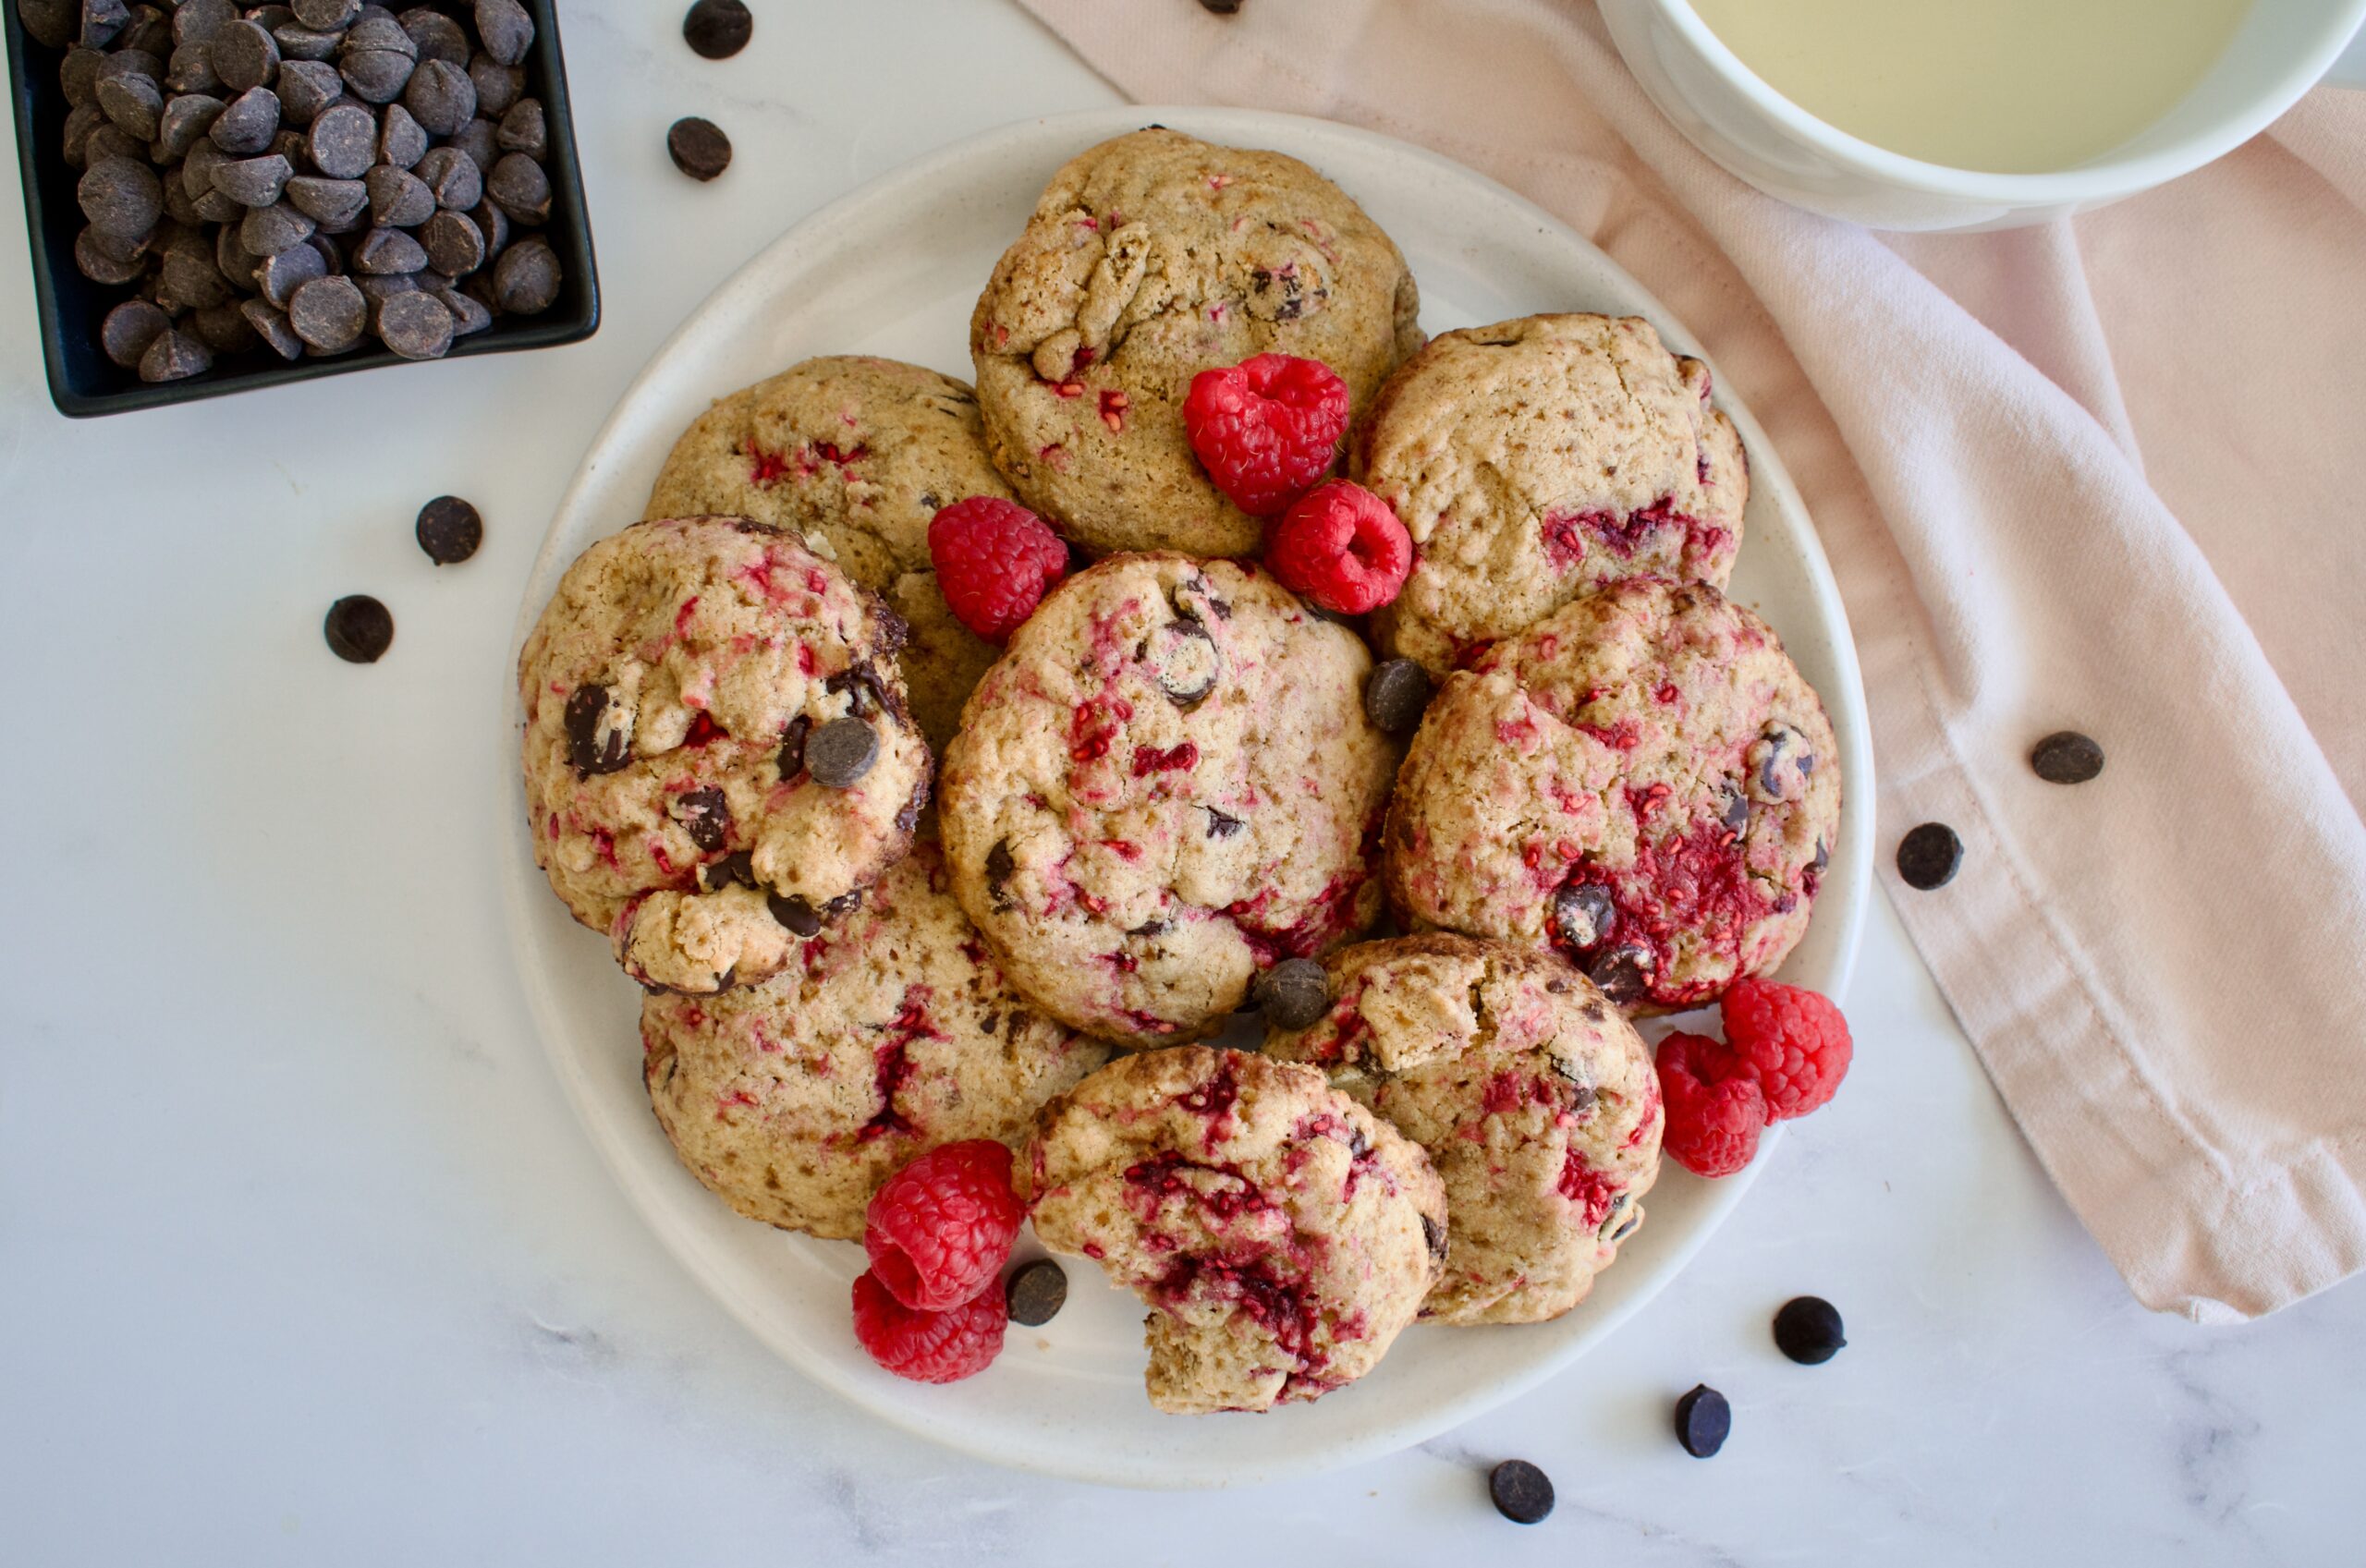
(1159, 1180)
(703, 730)
(739, 1098)
(766, 469)
(1692, 882)
(892, 1064)
(1214, 1100)
(1249, 1287)
(1650, 1117)
(603, 844)
(1149, 760)
(1592, 1189)
(1094, 725)
(813, 454)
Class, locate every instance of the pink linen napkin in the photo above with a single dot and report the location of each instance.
(2100, 475)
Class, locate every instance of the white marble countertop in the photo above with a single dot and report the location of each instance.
(303, 1260)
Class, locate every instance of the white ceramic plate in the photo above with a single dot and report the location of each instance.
(894, 269)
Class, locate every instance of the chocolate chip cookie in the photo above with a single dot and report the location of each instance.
(1149, 259)
(1536, 1099)
(889, 1033)
(857, 454)
(1283, 1234)
(718, 753)
(1534, 460)
(1643, 779)
(1167, 784)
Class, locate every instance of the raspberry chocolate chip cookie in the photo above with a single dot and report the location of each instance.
(1534, 1097)
(718, 754)
(1150, 259)
(1168, 784)
(890, 1033)
(856, 454)
(1534, 460)
(1642, 780)
(1284, 1235)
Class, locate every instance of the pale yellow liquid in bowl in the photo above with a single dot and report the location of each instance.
(2004, 86)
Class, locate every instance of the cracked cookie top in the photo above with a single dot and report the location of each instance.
(1167, 784)
(857, 454)
(1283, 1234)
(683, 676)
(1536, 459)
(888, 1034)
(1536, 1101)
(1149, 259)
(1642, 780)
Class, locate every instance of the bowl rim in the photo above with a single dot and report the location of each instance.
(2327, 33)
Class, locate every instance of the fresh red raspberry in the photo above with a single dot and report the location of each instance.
(1266, 428)
(929, 1347)
(941, 1228)
(1792, 1042)
(1341, 547)
(1712, 1121)
(995, 561)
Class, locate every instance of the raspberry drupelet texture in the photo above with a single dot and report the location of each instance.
(1267, 428)
(1712, 1121)
(941, 1228)
(929, 1347)
(994, 561)
(1791, 1041)
(1343, 548)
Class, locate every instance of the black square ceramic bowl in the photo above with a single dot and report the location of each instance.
(83, 381)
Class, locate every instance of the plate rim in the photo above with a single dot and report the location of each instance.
(524, 887)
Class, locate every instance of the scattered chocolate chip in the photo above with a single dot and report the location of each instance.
(2066, 757)
(1155, 926)
(1000, 868)
(416, 325)
(121, 198)
(1823, 854)
(1184, 660)
(716, 30)
(792, 747)
(1620, 974)
(468, 314)
(596, 742)
(839, 752)
(402, 140)
(1396, 695)
(526, 279)
(449, 529)
(1222, 825)
(478, 140)
(505, 29)
(740, 866)
(1623, 1231)
(861, 689)
(1807, 1331)
(174, 355)
(279, 278)
(698, 146)
(1221, 8)
(327, 201)
(1522, 1494)
(130, 328)
(224, 329)
(844, 905)
(1294, 993)
(705, 815)
(343, 141)
(793, 913)
(102, 20)
(1928, 855)
(1035, 1291)
(359, 629)
(1583, 915)
(1433, 1236)
(376, 27)
(1610, 1217)
(196, 22)
(1703, 1419)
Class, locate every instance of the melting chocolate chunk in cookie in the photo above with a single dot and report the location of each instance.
(1583, 915)
(705, 815)
(599, 737)
(840, 752)
(800, 918)
(792, 747)
(1184, 660)
(740, 866)
(1736, 814)
(1433, 1236)
(1295, 993)
(1220, 825)
(1621, 973)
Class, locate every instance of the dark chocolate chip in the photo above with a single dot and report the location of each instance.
(454, 246)
(1583, 915)
(1155, 926)
(1294, 993)
(299, 43)
(861, 689)
(328, 313)
(1617, 1207)
(1928, 855)
(1035, 1291)
(385, 252)
(106, 259)
(77, 76)
(792, 747)
(469, 314)
(740, 866)
(53, 24)
(1621, 973)
(1184, 660)
(134, 103)
(793, 913)
(716, 30)
(1522, 1494)
(1396, 695)
(479, 140)
(402, 140)
(416, 325)
(498, 86)
(1736, 813)
(1807, 1331)
(839, 752)
(441, 97)
(279, 278)
(189, 68)
(196, 22)
(374, 76)
(377, 28)
(1433, 1236)
(705, 815)
(1623, 1231)
(1220, 825)
(174, 356)
(523, 129)
(505, 29)
(2066, 757)
(844, 905)
(453, 176)
(698, 146)
(245, 57)
(1823, 854)
(102, 20)
(595, 742)
(359, 629)
(1703, 1419)
(246, 124)
(328, 200)
(253, 182)
(184, 121)
(326, 15)
(130, 328)
(449, 529)
(1221, 7)
(189, 281)
(224, 329)
(526, 279)
(1000, 868)
(270, 325)
(121, 198)
(440, 39)
(267, 231)
(343, 141)
(398, 198)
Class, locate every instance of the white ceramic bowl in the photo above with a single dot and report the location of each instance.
(2280, 51)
